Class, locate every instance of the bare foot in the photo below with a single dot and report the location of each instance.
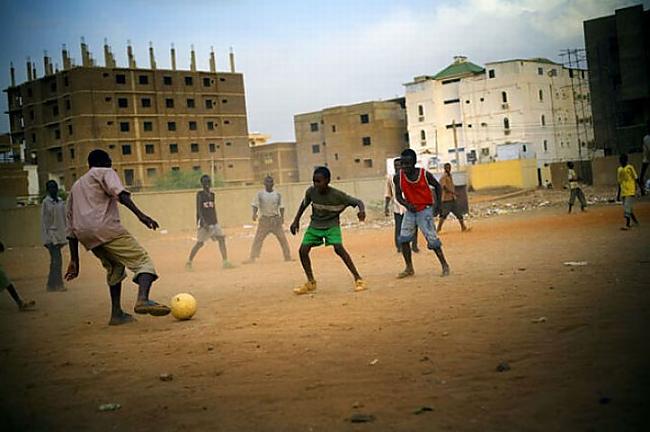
(121, 318)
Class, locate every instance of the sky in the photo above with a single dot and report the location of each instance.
(298, 56)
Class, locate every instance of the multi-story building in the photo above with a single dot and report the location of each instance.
(466, 112)
(354, 141)
(618, 54)
(151, 121)
(277, 159)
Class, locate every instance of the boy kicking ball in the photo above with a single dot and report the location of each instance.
(327, 203)
(93, 219)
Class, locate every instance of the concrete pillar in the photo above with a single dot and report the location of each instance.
(129, 53)
(85, 57)
(213, 62)
(67, 64)
(34, 71)
(109, 59)
(152, 58)
(12, 73)
(47, 64)
(173, 56)
(232, 61)
(29, 69)
(192, 59)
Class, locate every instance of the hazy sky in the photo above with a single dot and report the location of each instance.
(299, 56)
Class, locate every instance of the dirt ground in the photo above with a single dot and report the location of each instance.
(256, 357)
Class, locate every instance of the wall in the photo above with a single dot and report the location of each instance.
(516, 173)
(559, 173)
(175, 210)
(604, 169)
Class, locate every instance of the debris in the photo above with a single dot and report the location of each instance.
(445, 334)
(538, 320)
(422, 410)
(503, 367)
(110, 407)
(361, 418)
(575, 263)
(248, 226)
(166, 377)
(522, 269)
(210, 348)
(163, 231)
(424, 358)
(357, 405)
(374, 362)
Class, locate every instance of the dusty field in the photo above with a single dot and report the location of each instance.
(256, 357)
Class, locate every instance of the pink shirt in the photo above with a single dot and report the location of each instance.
(92, 214)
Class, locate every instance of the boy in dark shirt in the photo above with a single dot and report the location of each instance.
(208, 226)
(327, 204)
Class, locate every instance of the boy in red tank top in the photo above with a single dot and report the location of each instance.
(413, 191)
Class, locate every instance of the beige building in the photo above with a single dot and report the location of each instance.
(277, 159)
(528, 108)
(354, 141)
(151, 121)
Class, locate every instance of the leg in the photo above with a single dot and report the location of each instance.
(282, 239)
(425, 223)
(582, 199)
(407, 233)
(306, 261)
(222, 248)
(118, 316)
(461, 221)
(398, 226)
(55, 278)
(195, 249)
(256, 248)
(22, 305)
(345, 256)
(572, 198)
(442, 220)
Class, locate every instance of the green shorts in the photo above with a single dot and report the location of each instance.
(317, 236)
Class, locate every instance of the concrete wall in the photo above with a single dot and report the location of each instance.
(604, 169)
(516, 173)
(560, 176)
(175, 210)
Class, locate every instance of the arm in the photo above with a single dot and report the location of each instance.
(73, 266)
(126, 201)
(254, 216)
(437, 189)
(362, 209)
(46, 222)
(296, 220)
(388, 195)
(198, 209)
(282, 215)
(399, 196)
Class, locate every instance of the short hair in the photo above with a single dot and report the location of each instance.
(268, 177)
(447, 164)
(51, 182)
(410, 153)
(204, 176)
(623, 158)
(570, 164)
(324, 171)
(98, 158)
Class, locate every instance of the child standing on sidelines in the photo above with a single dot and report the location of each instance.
(412, 189)
(576, 190)
(449, 199)
(327, 203)
(627, 181)
(6, 284)
(53, 234)
(94, 220)
(208, 225)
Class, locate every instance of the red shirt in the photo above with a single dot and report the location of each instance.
(416, 192)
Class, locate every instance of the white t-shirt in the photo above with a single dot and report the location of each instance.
(268, 203)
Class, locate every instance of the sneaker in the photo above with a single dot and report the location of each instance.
(360, 285)
(228, 265)
(308, 287)
(188, 266)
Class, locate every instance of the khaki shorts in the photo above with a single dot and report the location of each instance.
(209, 232)
(124, 252)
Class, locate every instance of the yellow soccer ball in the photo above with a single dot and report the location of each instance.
(183, 306)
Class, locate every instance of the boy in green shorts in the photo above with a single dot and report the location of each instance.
(327, 203)
(5, 283)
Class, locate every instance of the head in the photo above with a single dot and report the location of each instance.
(397, 164)
(205, 181)
(321, 178)
(99, 159)
(408, 159)
(447, 167)
(570, 165)
(52, 189)
(268, 183)
(622, 159)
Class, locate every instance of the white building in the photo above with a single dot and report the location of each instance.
(536, 103)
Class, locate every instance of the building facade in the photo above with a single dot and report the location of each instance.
(151, 121)
(618, 54)
(465, 112)
(277, 159)
(354, 141)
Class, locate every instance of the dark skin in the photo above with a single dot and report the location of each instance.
(411, 173)
(447, 167)
(144, 281)
(268, 186)
(23, 306)
(206, 183)
(623, 162)
(321, 183)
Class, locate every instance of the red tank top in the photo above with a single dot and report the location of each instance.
(416, 192)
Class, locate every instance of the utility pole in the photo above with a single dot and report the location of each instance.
(453, 127)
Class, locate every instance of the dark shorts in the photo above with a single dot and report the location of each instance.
(450, 207)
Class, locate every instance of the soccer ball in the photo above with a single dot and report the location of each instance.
(183, 306)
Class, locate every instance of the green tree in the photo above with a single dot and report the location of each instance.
(174, 180)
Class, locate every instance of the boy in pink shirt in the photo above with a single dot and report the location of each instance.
(93, 219)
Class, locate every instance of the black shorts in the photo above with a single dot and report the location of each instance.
(450, 207)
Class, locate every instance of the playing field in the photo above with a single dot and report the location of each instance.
(256, 357)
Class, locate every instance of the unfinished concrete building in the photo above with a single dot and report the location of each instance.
(152, 121)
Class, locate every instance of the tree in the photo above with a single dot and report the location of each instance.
(174, 180)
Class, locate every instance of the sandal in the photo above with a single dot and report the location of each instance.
(152, 308)
(406, 273)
